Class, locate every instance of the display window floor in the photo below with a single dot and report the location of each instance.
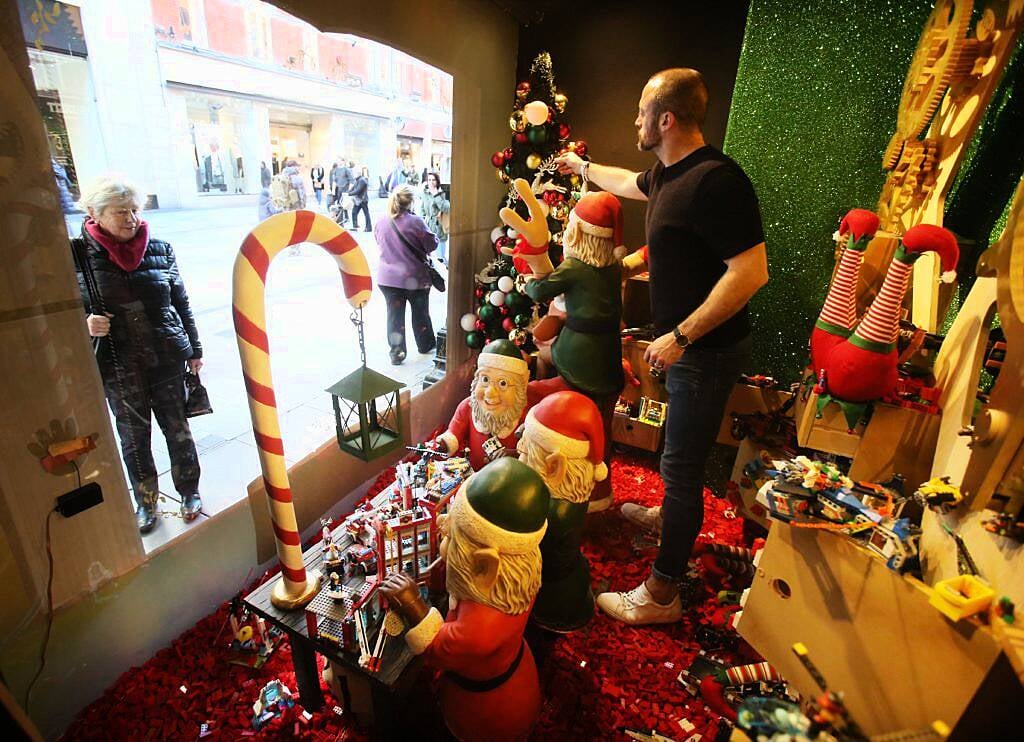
(595, 681)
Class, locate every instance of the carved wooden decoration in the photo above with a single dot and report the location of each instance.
(952, 76)
(997, 436)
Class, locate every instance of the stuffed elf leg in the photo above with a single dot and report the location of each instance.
(863, 368)
(839, 313)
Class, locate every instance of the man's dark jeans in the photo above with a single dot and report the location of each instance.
(698, 386)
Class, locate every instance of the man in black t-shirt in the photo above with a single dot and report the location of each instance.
(706, 256)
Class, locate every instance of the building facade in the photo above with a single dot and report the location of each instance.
(200, 100)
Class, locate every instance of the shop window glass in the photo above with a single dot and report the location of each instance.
(220, 163)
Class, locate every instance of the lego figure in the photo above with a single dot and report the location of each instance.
(499, 396)
(563, 441)
(489, 689)
(274, 700)
(588, 350)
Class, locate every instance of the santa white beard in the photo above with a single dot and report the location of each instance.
(500, 423)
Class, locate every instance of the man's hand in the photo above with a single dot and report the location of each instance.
(194, 364)
(569, 164)
(663, 351)
(98, 324)
(403, 596)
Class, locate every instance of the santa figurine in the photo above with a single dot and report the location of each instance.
(588, 350)
(492, 534)
(563, 440)
(499, 396)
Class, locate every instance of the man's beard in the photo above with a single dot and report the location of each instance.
(646, 145)
(518, 575)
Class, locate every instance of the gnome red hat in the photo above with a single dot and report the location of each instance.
(569, 422)
(600, 213)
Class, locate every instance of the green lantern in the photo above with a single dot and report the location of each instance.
(367, 412)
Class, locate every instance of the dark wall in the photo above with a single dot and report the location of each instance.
(603, 54)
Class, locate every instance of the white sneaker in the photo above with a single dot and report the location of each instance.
(637, 607)
(647, 518)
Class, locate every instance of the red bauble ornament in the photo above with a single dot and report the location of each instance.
(581, 148)
(498, 159)
(480, 325)
(478, 292)
(508, 154)
(504, 310)
(522, 90)
(564, 130)
(520, 137)
(546, 197)
(508, 324)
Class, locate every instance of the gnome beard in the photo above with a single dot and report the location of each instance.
(578, 481)
(502, 422)
(518, 574)
(585, 247)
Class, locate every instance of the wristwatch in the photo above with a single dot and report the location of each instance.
(681, 340)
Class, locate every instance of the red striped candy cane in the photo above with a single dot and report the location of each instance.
(258, 249)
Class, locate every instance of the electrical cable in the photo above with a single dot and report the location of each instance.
(49, 609)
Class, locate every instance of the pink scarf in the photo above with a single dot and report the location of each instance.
(127, 255)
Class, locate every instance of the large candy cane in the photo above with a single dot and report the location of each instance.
(270, 237)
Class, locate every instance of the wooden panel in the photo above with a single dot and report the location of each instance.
(745, 400)
(636, 433)
(633, 351)
(899, 663)
(829, 433)
(750, 509)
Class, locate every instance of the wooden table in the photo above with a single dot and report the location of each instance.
(398, 664)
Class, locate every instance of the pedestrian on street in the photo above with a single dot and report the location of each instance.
(267, 206)
(361, 200)
(265, 175)
(404, 241)
(316, 175)
(435, 206)
(138, 311)
(706, 256)
(341, 182)
(294, 174)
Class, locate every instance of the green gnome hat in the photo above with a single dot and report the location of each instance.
(504, 506)
(503, 354)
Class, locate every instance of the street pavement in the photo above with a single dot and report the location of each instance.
(313, 344)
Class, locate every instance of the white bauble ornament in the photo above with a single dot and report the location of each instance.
(496, 233)
(468, 322)
(497, 298)
(511, 233)
(506, 284)
(536, 112)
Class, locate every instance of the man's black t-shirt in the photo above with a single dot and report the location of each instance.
(701, 211)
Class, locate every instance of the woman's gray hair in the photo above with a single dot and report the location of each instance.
(109, 189)
(400, 200)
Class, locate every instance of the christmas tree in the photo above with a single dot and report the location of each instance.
(539, 135)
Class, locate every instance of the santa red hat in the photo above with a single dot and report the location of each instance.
(600, 213)
(569, 422)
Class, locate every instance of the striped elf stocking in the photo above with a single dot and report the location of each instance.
(839, 313)
(863, 368)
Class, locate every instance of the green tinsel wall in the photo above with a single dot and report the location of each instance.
(814, 106)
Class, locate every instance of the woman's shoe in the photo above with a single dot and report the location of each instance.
(145, 518)
(191, 505)
(397, 358)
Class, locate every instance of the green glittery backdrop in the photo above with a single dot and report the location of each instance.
(815, 103)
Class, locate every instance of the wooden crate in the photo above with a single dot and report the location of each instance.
(871, 632)
(632, 432)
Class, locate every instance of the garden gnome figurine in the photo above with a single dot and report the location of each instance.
(563, 440)
(588, 350)
(492, 533)
(499, 396)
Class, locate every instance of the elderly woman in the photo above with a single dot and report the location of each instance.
(138, 308)
(404, 242)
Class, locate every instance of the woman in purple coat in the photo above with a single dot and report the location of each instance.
(404, 240)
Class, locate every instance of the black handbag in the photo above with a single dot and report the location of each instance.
(436, 279)
(197, 400)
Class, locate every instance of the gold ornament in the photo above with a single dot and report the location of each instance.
(560, 102)
(560, 212)
(502, 176)
(517, 121)
(533, 161)
(575, 180)
(570, 146)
